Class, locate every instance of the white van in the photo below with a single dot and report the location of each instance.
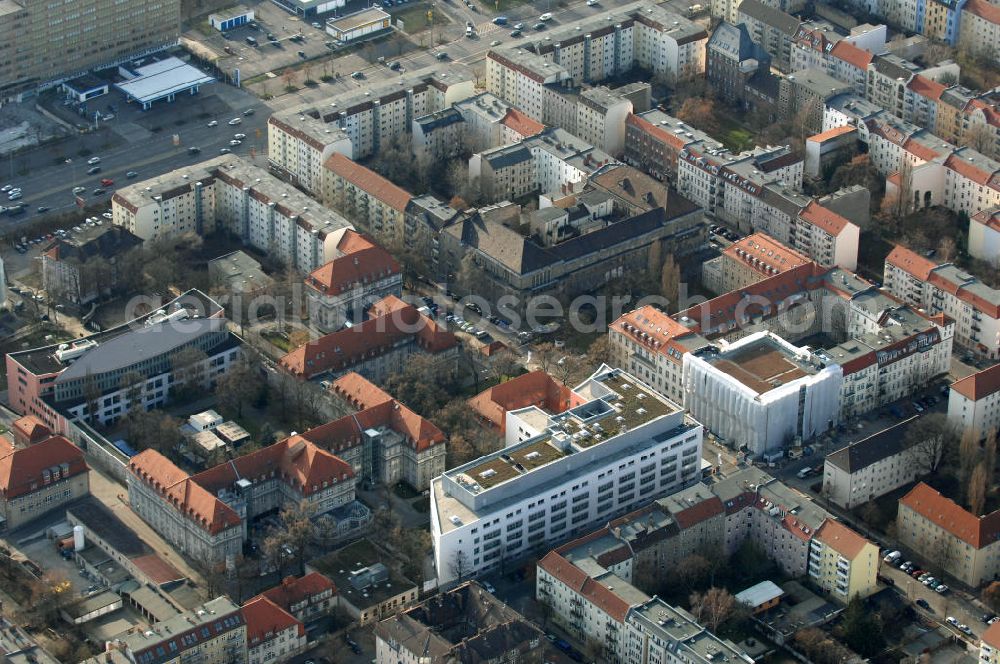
(545, 17)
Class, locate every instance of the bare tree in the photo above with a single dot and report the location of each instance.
(459, 564)
(670, 283)
(927, 444)
(713, 607)
(976, 490)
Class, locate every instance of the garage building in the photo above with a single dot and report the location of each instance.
(359, 25)
(231, 18)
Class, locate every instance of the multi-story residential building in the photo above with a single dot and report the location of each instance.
(872, 467)
(374, 203)
(361, 274)
(92, 378)
(438, 136)
(547, 162)
(560, 475)
(887, 350)
(770, 28)
(464, 624)
(600, 119)
(375, 348)
(272, 633)
(214, 633)
(229, 193)
(588, 586)
(762, 392)
(732, 59)
(653, 141)
(979, 28)
(383, 440)
(974, 403)
(81, 269)
(39, 472)
(358, 123)
(842, 562)
(309, 597)
(989, 645)
(205, 515)
(483, 117)
(42, 44)
(803, 95)
(965, 545)
(946, 289)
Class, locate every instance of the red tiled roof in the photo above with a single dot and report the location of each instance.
(851, 54)
(24, 470)
(346, 348)
(991, 636)
(824, 218)
(967, 169)
(376, 408)
(521, 123)
(360, 262)
(841, 539)
(536, 388)
(977, 532)
(702, 511)
(984, 10)
(30, 429)
(652, 328)
(764, 254)
(575, 578)
(293, 591)
(369, 181)
(836, 132)
(157, 569)
(674, 140)
(264, 617)
(980, 384)
(910, 262)
(920, 150)
(988, 218)
(926, 87)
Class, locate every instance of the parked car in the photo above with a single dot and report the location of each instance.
(224, 151)
(357, 75)
(234, 142)
(235, 121)
(951, 620)
(515, 33)
(239, 137)
(489, 588)
(131, 174)
(942, 589)
(922, 603)
(94, 160)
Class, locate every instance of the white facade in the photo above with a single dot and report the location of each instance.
(763, 421)
(984, 236)
(249, 202)
(974, 402)
(573, 471)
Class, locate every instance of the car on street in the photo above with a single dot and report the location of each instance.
(495, 42)
(547, 16)
(131, 174)
(515, 33)
(489, 588)
(98, 192)
(942, 589)
(235, 121)
(591, 3)
(6, 188)
(94, 160)
(213, 123)
(248, 112)
(302, 54)
(357, 75)
(965, 629)
(316, 25)
(951, 620)
(107, 182)
(441, 56)
(234, 142)
(93, 169)
(79, 190)
(106, 215)
(14, 196)
(41, 209)
(224, 151)
(194, 150)
(922, 603)
(239, 137)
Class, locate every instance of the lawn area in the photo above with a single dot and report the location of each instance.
(286, 342)
(734, 135)
(415, 17)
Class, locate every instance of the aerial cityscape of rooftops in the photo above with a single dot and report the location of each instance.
(500, 331)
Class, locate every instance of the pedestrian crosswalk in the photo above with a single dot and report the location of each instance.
(486, 28)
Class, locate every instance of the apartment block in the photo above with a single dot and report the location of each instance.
(38, 474)
(980, 28)
(81, 269)
(214, 633)
(600, 119)
(842, 562)
(376, 205)
(587, 584)
(205, 515)
(653, 141)
(732, 59)
(84, 379)
(965, 545)
(535, 388)
(43, 44)
(438, 136)
(561, 475)
(358, 123)
(872, 467)
(771, 28)
(946, 289)
(340, 291)
(309, 597)
(974, 403)
(232, 194)
(376, 348)
(464, 624)
(272, 633)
